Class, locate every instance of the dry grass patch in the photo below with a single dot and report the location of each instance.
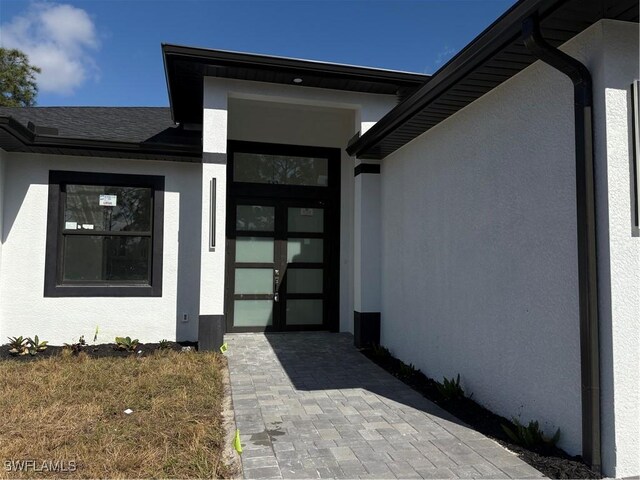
(70, 409)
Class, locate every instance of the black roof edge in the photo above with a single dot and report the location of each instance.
(166, 78)
(405, 79)
(15, 128)
(27, 138)
(262, 60)
(500, 33)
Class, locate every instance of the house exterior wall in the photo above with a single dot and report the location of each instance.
(479, 251)
(2, 155)
(271, 113)
(618, 247)
(23, 308)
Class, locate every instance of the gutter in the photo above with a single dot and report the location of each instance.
(586, 232)
(502, 32)
(29, 139)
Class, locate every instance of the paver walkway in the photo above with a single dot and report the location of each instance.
(309, 405)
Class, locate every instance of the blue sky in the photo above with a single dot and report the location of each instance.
(107, 52)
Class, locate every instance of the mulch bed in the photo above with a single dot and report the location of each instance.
(548, 459)
(99, 351)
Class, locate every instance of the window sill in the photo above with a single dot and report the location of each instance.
(102, 291)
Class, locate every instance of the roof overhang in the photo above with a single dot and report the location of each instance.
(15, 137)
(186, 67)
(493, 57)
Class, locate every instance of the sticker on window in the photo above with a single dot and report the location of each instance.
(87, 226)
(108, 200)
(306, 212)
(70, 225)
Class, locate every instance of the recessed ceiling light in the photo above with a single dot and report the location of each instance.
(297, 80)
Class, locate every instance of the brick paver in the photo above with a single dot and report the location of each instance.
(309, 405)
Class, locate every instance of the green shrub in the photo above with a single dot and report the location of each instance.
(529, 436)
(164, 344)
(378, 351)
(35, 345)
(406, 371)
(450, 389)
(126, 343)
(18, 345)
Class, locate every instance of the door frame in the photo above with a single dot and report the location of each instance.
(330, 195)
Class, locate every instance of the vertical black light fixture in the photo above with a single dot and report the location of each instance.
(212, 215)
(635, 146)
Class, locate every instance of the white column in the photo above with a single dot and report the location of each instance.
(367, 235)
(214, 166)
(367, 247)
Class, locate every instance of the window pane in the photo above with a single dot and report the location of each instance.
(252, 313)
(96, 258)
(304, 250)
(254, 280)
(280, 169)
(304, 280)
(111, 209)
(255, 217)
(306, 220)
(254, 249)
(304, 312)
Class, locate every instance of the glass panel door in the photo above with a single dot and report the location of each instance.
(277, 278)
(254, 265)
(305, 262)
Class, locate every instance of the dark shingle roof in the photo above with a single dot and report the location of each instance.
(124, 124)
(122, 132)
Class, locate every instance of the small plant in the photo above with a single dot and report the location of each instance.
(450, 389)
(18, 345)
(35, 345)
(95, 335)
(164, 344)
(406, 371)
(378, 351)
(529, 436)
(75, 348)
(125, 343)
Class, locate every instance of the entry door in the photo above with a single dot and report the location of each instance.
(278, 275)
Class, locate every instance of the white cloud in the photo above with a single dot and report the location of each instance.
(445, 54)
(59, 39)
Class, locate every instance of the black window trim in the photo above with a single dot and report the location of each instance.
(52, 287)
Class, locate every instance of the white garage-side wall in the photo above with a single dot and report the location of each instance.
(479, 270)
(618, 249)
(23, 308)
(2, 155)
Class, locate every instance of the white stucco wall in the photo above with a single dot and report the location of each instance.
(2, 155)
(367, 233)
(618, 248)
(23, 308)
(479, 273)
(289, 114)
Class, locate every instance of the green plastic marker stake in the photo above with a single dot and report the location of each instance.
(236, 442)
(224, 347)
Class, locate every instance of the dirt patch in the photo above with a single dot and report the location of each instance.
(548, 459)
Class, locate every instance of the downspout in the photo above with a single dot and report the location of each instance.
(586, 219)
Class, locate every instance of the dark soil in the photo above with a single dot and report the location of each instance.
(548, 459)
(98, 351)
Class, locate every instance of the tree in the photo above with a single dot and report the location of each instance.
(18, 86)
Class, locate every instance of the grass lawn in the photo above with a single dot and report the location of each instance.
(70, 409)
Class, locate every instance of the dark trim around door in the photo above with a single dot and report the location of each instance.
(289, 194)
